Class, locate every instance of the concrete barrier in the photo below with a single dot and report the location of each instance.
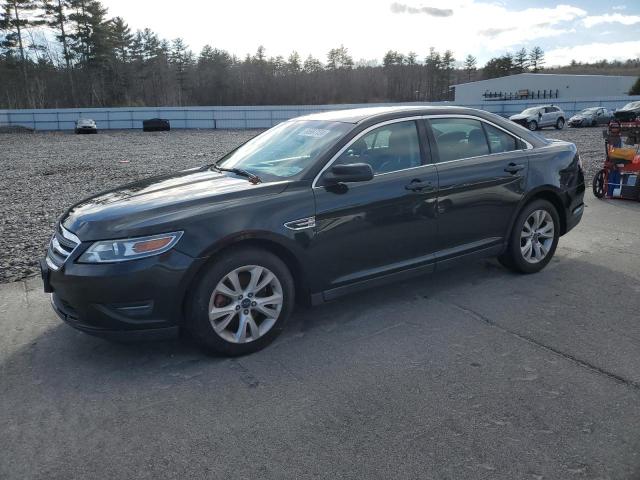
(242, 117)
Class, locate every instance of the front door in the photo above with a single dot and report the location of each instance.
(482, 174)
(368, 229)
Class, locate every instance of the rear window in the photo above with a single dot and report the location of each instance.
(500, 141)
(458, 138)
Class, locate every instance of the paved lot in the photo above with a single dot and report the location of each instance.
(470, 373)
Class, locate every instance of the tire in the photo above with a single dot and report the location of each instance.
(241, 311)
(514, 258)
(560, 124)
(594, 123)
(532, 125)
(598, 184)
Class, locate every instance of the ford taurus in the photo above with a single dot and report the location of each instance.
(314, 208)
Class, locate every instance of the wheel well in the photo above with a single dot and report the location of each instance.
(292, 263)
(555, 200)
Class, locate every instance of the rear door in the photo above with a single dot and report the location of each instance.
(482, 173)
(548, 117)
(369, 229)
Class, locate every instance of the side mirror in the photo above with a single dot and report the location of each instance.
(352, 172)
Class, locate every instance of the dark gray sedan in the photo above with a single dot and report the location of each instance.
(313, 209)
(591, 117)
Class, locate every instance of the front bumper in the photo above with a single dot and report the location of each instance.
(521, 121)
(128, 300)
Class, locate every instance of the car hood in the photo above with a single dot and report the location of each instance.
(155, 204)
(519, 116)
(580, 117)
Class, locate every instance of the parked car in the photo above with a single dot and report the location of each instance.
(313, 209)
(86, 125)
(628, 113)
(156, 125)
(590, 117)
(539, 117)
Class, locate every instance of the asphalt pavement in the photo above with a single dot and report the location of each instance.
(471, 373)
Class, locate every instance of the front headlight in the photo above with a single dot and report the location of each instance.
(109, 251)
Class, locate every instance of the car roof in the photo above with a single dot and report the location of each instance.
(359, 115)
(364, 117)
(542, 106)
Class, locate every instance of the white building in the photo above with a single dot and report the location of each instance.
(542, 85)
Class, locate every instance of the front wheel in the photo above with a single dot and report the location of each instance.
(242, 302)
(534, 238)
(599, 183)
(533, 125)
(560, 124)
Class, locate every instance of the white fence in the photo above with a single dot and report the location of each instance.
(252, 116)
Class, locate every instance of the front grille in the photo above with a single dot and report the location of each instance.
(62, 244)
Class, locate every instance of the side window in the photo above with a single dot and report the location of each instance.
(459, 138)
(389, 148)
(499, 140)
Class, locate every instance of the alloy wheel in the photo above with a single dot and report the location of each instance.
(245, 304)
(537, 236)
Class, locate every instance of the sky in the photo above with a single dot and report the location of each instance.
(587, 30)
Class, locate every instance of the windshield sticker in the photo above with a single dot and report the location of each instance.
(313, 132)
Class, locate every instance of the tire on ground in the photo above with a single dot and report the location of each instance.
(197, 311)
(513, 258)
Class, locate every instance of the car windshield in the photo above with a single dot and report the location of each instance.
(631, 106)
(286, 149)
(530, 111)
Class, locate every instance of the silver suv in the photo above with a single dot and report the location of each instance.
(542, 116)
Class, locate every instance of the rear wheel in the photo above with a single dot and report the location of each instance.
(534, 238)
(242, 302)
(599, 183)
(532, 125)
(560, 124)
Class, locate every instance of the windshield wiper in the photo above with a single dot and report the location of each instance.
(238, 171)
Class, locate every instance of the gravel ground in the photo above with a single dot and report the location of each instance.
(44, 173)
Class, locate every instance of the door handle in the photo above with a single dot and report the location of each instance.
(418, 186)
(513, 168)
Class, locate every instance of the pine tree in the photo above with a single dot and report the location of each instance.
(521, 60)
(15, 20)
(499, 66)
(121, 39)
(470, 63)
(536, 59)
(92, 36)
(339, 59)
(312, 65)
(293, 63)
(54, 14)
